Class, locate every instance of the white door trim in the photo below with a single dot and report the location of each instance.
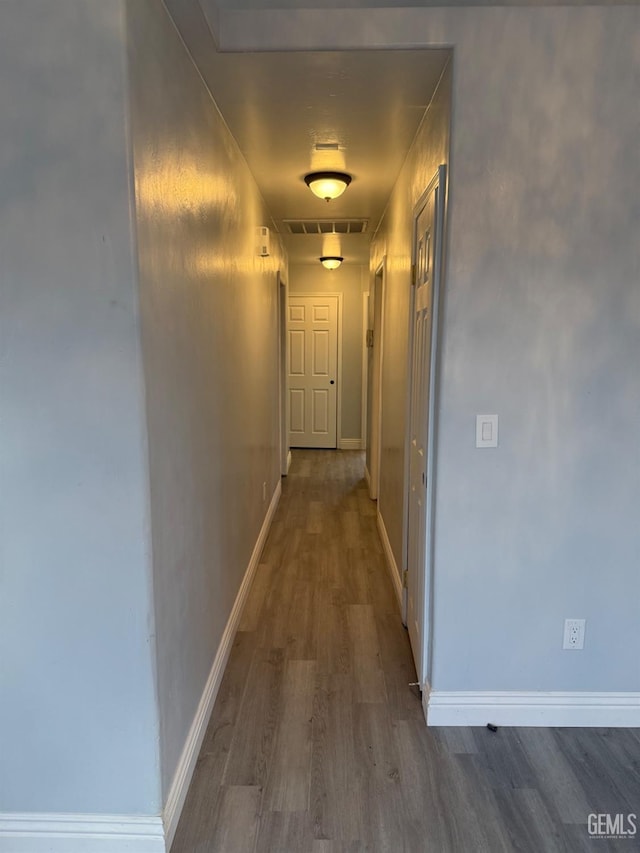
(283, 383)
(365, 372)
(319, 294)
(438, 180)
(376, 408)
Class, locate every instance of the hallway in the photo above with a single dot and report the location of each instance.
(317, 744)
(157, 216)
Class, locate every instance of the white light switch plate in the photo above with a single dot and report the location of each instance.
(486, 430)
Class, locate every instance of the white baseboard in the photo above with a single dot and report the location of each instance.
(80, 833)
(458, 708)
(391, 560)
(350, 444)
(187, 763)
(367, 477)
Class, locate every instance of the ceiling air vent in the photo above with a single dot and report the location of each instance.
(325, 226)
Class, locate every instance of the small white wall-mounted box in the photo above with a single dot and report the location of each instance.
(263, 242)
(486, 430)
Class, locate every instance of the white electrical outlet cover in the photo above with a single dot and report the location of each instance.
(574, 634)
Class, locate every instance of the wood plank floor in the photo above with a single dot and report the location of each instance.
(317, 744)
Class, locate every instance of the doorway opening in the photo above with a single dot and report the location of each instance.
(330, 121)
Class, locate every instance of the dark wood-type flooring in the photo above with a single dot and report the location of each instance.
(317, 744)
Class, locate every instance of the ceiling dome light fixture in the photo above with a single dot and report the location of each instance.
(327, 185)
(331, 262)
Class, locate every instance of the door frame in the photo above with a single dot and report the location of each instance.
(283, 384)
(374, 429)
(319, 294)
(438, 181)
(365, 375)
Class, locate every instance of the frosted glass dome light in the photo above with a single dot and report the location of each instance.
(331, 262)
(327, 185)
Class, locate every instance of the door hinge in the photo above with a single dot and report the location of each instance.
(405, 579)
(413, 275)
(369, 338)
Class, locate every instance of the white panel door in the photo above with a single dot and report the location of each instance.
(428, 227)
(313, 366)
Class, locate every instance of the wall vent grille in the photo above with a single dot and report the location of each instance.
(325, 226)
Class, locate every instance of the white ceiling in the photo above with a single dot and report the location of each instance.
(278, 106)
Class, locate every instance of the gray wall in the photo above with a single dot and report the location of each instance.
(541, 325)
(78, 727)
(209, 322)
(393, 241)
(350, 280)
